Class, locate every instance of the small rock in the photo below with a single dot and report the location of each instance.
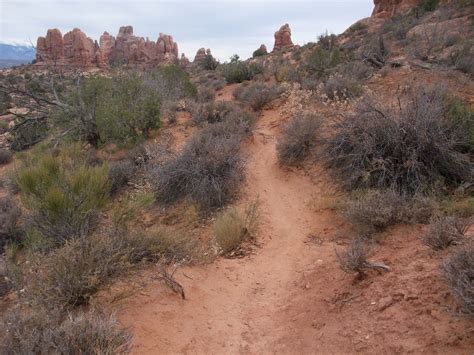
(384, 303)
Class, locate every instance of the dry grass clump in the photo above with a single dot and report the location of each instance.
(459, 273)
(410, 148)
(46, 333)
(374, 210)
(5, 156)
(232, 227)
(68, 276)
(446, 231)
(354, 259)
(298, 139)
(208, 170)
(10, 213)
(257, 95)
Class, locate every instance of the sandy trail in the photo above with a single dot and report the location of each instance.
(232, 305)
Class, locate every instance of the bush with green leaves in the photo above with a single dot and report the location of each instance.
(170, 83)
(122, 109)
(208, 170)
(258, 94)
(61, 192)
(237, 71)
(323, 59)
(299, 137)
(38, 332)
(458, 271)
(413, 147)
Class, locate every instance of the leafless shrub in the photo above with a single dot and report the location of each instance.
(409, 148)
(354, 259)
(208, 170)
(375, 210)
(299, 138)
(257, 95)
(10, 213)
(120, 174)
(70, 275)
(46, 333)
(5, 156)
(446, 231)
(211, 112)
(206, 94)
(459, 273)
(168, 278)
(341, 87)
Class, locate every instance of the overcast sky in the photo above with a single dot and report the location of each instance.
(225, 26)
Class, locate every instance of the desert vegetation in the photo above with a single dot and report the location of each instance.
(113, 180)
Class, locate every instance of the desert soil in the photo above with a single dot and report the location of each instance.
(288, 295)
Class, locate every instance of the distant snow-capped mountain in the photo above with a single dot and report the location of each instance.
(15, 54)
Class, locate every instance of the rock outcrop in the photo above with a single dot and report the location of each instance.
(262, 50)
(77, 50)
(283, 38)
(389, 8)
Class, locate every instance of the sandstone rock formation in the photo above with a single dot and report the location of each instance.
(184, 61)
(389, 8)
(77, 50)
(200, 55)
(283, 38)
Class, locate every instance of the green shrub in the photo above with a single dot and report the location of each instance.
(61, 191)
(209, 62)
(298, 139)
(120, 110)
(46, 333)
(259, 52)
(237, 71)
(426, 6)
(170, 83)
(321, 60)
(462, 116)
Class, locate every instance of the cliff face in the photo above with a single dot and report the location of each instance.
(76, 50)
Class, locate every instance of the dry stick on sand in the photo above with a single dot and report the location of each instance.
(170, 281)
(354, 259)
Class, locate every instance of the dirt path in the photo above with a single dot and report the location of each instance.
(232, 305)
(289, 296)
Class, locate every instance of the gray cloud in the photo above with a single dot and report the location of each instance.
(225, 26)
